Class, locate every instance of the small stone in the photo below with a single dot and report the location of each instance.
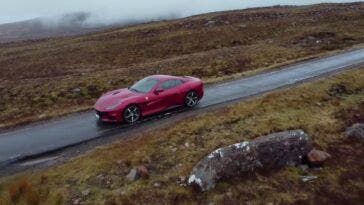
(157, 184)
(242, 26)
(181, 179)
(308, 178)
(355, 132)
(77, 201)
(317, 157)
(303, 167)
(210, 23)
(86, 192)
(133, 175)
(311, 38)
(143, 172)
(187, 145)
(229, 194)
(118, 192)
(42, 116)
(174, 149)
(76, 90)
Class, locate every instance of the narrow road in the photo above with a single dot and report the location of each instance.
(56, 134)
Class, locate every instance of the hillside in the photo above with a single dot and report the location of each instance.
(62, 75)
(323, 109)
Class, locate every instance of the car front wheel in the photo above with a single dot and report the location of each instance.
(131, 114)
(191, 99)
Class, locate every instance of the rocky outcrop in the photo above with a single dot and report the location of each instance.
(264, 153)
(355, 132)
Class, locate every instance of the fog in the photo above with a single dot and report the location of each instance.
(118, 11)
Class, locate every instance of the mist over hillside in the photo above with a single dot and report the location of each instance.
(66, 18)
(66, 25)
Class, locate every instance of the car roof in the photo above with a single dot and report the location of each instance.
(164, 77)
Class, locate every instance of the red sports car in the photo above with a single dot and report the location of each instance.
(150, 95)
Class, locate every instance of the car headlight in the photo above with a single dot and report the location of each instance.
(112, 107)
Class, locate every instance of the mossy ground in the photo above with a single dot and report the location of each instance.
(38, 78)
(323, 109)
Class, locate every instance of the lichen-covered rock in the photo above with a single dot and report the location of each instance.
(356, 132)
(264, 153)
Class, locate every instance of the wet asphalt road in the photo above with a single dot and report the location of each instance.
(56, 134)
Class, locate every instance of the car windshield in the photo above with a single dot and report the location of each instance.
(145, 85)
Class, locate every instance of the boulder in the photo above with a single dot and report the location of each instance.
(317, 157)
(355, 132)
(264, 153)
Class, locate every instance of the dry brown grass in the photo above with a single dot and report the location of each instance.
(23, 188)
(37, 78)
(323, 109)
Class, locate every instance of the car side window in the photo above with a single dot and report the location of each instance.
(167, 85)
(170, 84)
(177, 82)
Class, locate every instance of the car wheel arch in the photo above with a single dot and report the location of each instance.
(132, 104)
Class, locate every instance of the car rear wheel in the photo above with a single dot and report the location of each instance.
(131, 114)
(191, 99)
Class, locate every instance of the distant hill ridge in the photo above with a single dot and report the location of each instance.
(66, 25)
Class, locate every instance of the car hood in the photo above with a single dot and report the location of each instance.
(114, 97)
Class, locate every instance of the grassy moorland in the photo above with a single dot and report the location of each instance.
(323, 109)
(51, 77)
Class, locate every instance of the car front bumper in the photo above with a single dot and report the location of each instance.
(108, 116)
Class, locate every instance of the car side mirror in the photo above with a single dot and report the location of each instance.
(158, 90)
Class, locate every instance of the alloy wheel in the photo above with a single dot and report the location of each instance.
(191, 99)
(131, 114)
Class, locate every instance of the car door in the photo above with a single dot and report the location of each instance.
(166, 95)
(176, 92)
(159, 99)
